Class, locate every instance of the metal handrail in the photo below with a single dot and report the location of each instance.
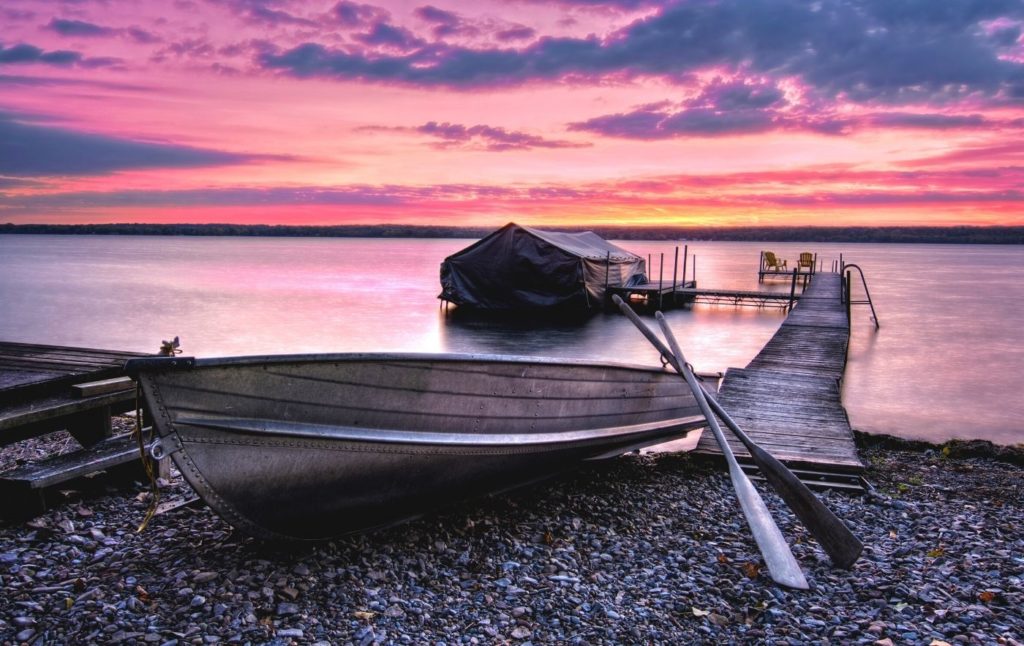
(864, 282)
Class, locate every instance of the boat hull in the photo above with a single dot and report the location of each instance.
(311, 447)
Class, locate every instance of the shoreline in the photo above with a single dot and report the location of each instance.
(649, 549)
(997, 235)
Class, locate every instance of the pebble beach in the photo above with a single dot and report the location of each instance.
(639, 549)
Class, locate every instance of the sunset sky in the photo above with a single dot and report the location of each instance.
(585, 112)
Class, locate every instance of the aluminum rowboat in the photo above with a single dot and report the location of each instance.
(314, 446)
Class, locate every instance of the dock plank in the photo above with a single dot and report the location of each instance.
(788, 398)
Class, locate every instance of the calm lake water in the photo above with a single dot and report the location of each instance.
(948, 360)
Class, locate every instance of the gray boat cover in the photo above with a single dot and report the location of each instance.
(518, 268)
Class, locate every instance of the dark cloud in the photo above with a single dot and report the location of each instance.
(489, 137)
(259, 13)
(446, 23)
(24, 53)
(354, 14)
(867, 50)
(79, 28)
(733, 107)
(518, 32)
(32, 150)
(729, 114)
(384, 35)
(927, 121)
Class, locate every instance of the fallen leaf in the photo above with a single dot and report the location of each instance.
(986, 596)
(549, 538)
(900, 607)
(936, 552)
(751, 569)
(722, 558)
(697, 612)
(364, 614)
(892, 533)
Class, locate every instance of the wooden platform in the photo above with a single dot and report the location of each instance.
(662, 296)
(788, 397)
(27, 370)
(53, 388)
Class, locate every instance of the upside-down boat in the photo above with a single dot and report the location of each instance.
(310, 447)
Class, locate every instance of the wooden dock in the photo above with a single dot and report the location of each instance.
(52, 388)
(653, 295)
(788, 398)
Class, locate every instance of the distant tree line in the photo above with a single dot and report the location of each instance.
(937, 235)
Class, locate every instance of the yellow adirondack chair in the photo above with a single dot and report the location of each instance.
(806, 260)
(772, 262)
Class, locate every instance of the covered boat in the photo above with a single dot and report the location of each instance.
(314, 446)
(521, 268)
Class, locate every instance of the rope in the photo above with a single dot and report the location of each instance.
(147, 464)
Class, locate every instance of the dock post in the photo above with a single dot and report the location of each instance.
(760, 267)
(686, 252)
(675, 275)
(661, 281)
(694, 270)
(848, 291)
(814, 266)
(792, 288)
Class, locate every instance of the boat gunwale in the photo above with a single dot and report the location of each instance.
(274, 428)
(444, 357)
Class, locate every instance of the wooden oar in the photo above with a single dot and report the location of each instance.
(782, 566)
(831, 533)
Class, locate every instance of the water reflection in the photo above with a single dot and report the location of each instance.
(948, 360)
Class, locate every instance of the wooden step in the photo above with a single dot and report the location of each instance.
(25, 488)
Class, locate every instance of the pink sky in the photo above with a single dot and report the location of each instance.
(742, 112)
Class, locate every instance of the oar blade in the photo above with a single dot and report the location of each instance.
(782, 565)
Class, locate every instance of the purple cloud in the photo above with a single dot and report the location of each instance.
(382, 34)
(865, 50)
(927, 121)
(518, 32)
(721, 108)
(446, 23)
(28, 149)
(79, 28)
(24, 53)
(489, 138)
(353, 14)
(84, 29)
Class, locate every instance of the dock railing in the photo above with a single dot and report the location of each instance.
(848, 296)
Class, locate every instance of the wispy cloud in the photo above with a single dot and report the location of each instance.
(32, 150)
(24, 53)
(85, 29)
(479, 137)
